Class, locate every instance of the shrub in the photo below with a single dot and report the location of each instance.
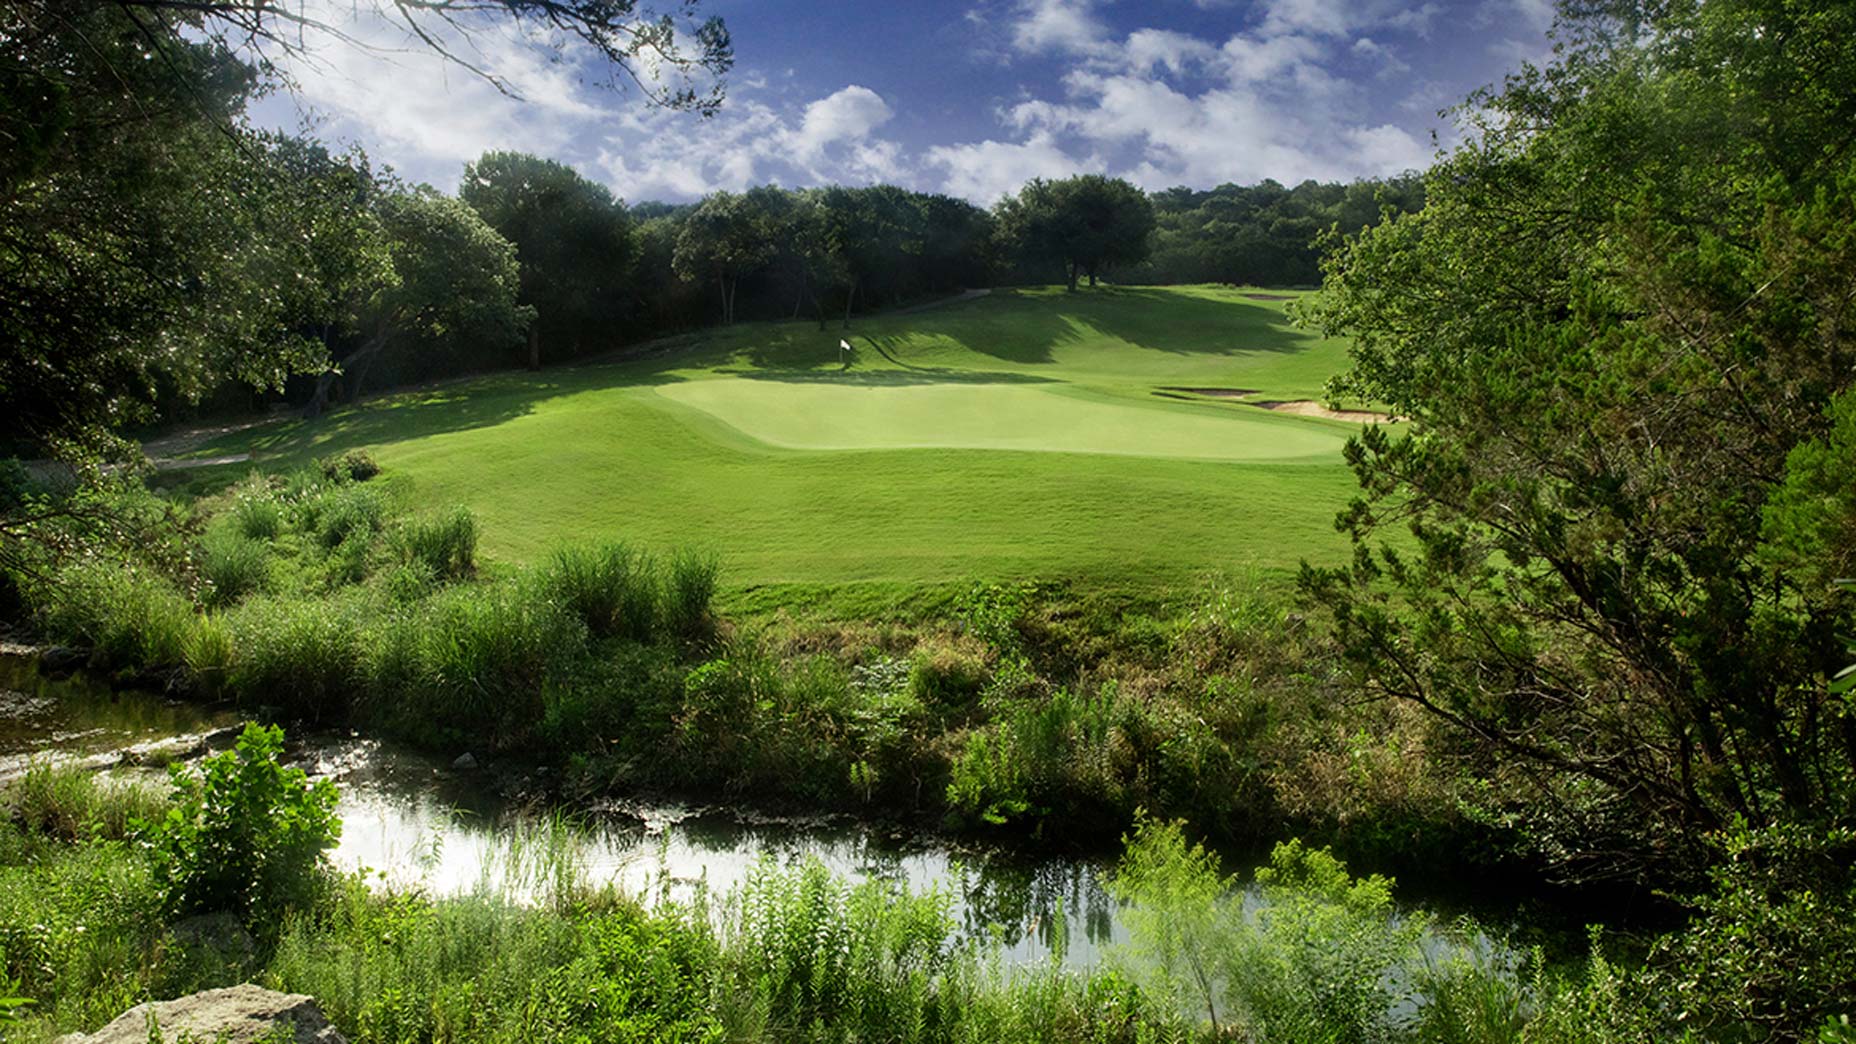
(233, 565)
(863, 959)
(355, 465)
(1319, 955)
(245, 835)
(1773, 943)
(447, 544)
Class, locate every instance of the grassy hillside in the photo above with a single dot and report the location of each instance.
(1031, 434)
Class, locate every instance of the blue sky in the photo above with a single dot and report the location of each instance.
(971, 97)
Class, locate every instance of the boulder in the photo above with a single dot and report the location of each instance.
(236, 1015)
(465, 762)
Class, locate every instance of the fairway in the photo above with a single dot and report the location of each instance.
(1028, 434)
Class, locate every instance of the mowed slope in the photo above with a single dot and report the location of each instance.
(1019, 435)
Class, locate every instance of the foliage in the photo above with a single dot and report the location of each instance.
(245, 834)
(1318, 955)
(1085, 224)
(355, 465)
(1264, 234)
(572, 240)
(1771, 949)
(1615, 327)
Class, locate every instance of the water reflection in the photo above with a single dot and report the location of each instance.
(412, 822)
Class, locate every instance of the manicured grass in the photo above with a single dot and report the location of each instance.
(908, 466)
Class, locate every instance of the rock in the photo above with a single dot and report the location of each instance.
(62, 660)
(465, 763)
(236, 1015)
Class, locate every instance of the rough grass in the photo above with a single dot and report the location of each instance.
(906, 470)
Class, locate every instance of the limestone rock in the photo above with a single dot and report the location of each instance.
(236, 1015)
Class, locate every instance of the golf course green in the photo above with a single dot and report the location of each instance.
(1097, 437)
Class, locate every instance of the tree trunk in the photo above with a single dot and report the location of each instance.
(1072, 275)
(1092, 277)
(319, 401)
(722, 282)
(848, 299)
(733, 288)
(818, 309)
(534, 346)
(360, 378)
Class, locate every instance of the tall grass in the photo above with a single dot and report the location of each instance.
(472, 663)
(73, 803)
(233, 565)
(129, 616)
(446, 544)
(613, 588)
(302, 655)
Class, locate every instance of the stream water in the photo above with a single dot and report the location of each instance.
(413, 820)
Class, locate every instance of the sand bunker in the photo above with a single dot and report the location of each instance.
(1310, 408)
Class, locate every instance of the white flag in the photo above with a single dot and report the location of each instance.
(846, 345)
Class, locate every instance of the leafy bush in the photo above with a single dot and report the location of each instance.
(245, 835)
(1319, 955)
(447, 544)
(1772, 945)
(811, 950)
(355, 465)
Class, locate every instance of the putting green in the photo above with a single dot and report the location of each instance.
(1041, 418)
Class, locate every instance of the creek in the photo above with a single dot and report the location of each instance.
(413, 820)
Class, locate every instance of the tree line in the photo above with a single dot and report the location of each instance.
(158, 252)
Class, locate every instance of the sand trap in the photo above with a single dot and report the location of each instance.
(1215, 393)
(1310, 408)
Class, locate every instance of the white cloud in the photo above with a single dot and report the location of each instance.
(987, 170)
(1347, 17)
(1062, 26)
(849, 114)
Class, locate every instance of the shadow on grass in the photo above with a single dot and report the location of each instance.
(479, 403)
(1028, 328)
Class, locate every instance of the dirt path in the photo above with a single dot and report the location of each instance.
(165, 452)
